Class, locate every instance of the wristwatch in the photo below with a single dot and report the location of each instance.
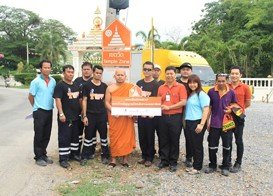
(62, 114)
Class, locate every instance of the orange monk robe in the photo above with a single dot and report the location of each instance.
(121, 129)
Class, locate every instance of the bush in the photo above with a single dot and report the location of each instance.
(20, 67)
(4, 72)
(57, 77)
(24, 78)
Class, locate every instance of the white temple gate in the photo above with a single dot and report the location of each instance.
(88, 47)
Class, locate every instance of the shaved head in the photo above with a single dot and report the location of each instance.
(120, 76)
(120, 71)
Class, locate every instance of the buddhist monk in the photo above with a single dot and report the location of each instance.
(121, 128)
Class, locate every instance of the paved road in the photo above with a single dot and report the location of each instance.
(20, 176)
(18, 173)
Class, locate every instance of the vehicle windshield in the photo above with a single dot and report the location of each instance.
(205, 73)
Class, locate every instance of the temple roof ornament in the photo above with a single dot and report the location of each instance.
(93, 39)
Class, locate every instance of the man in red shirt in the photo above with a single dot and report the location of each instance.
(243, 95)
(173, 98)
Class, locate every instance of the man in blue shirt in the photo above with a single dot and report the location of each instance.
(41, 98)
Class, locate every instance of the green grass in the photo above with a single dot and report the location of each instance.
(96, 179)
(97, 185)
(88, 188)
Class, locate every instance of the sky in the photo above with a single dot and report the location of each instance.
(173, 17)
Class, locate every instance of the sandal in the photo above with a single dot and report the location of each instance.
(125, 164)
(112, 165)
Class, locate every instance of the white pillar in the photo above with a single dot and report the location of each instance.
(76, 63)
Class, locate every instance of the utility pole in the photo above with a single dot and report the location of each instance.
(110, 14)
(112, 9)
(152, 42)
(27, 54)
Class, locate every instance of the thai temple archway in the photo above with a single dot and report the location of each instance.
(88, 47)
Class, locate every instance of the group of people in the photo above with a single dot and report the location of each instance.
(85, 104)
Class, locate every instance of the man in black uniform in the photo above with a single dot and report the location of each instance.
(66, 95)
(80, 81)
(94, 116)
(186, 71)
(146, 124)
(156, 74)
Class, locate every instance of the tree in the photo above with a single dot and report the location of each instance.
(52, 38)
(20, 67)
(152, 36)
(51, 47)
(174, 35)
(169, 45)
(4, 72)
(19, 27)
(235, 32)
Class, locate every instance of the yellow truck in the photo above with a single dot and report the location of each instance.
(175, 58)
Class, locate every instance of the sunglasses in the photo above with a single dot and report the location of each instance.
(222, 75)
(147, 69)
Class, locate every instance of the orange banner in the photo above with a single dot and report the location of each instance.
(136, 106)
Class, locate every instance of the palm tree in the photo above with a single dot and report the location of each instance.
(169, 45)
(148, 39)
(52, 47)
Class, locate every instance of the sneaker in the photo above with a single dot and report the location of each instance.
(194, 172)
(91, 157)
(105, 160)
(76, 158)
(65, 164)
(47, 160)
(210, 170)
(161, 165)
(188, 163)
(222, 167)
(173, 168)
(225, 172)
(141, 161)
(236, 168)
(148, 163)
(83, 162)
(41, 162)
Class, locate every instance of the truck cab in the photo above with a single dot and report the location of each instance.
(175, 58)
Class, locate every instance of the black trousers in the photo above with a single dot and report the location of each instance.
(156, 126)
(81, 131)
(95, 122)
(169, 136)
(68, 138)
(146, 135)
(238, 133)
(213, 140)
(196, 140)
(42, 131)
(188, 142)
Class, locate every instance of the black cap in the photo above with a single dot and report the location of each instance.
(186, 65)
